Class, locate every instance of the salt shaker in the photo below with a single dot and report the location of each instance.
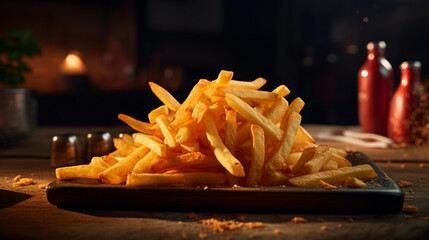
(98, 144)
(65, 150)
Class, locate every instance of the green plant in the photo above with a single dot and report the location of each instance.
(17, 44)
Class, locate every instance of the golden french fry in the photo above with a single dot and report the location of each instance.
(155, 130)
(306, 156)
(255, 84)
(338, 151)
(321, 157)
(230, 129)
(270, 129)
(251, 95)
(184, 113)
(335, 177)
(341, 161)
(169, 134)
(354, 183)
(302, 140)
(109, 160)
(199, 111)
(330, 165)
(190, 146)
(135, 124)
(291, 160)
(195, 160)
(282, 91)
(142, 166)
(277, 111)
(228, 161)
(118, 173)
(185, 133)
(224, 78)
(277, 178)
(123, 147)
(98, 162)
(296, 106)
(187, 178)
(274, 114)
(164, 96)
(128, 139)
(161, 110)
(258, 156)
(153, 143)
(79, 171)
(282, 151)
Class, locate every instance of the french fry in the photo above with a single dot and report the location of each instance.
(118, 173)
(190, 146)
(128, 139)
(182, 117)
(229, 140)
(199, 111)
(123, 147)
(79, 171)
(341, 161)
(306, 156)
(321, 157)
(185, 133)
(195, 160)
(155, 130)
(164, 96)
(255, 84)
(110, 161)
(282, 91)
(334, 177)
(98, 162)
(258, 156)
(142, 166)
(224, 78)
(282, 151)
(169, 134)
(249, 95)
(274, 114)
(270, 129)
(161, 110)
(292, 159)
(354, 183)
(153, 143)
(135, 124)
(228, 161)
(330, 165)
(277, 178)
(230, 129)
(296, 106)
(189, 178)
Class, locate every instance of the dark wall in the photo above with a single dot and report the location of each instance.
(313, 47)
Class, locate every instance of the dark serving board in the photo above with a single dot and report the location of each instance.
(384, 196)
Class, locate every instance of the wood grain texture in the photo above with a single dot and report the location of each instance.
(42, 220)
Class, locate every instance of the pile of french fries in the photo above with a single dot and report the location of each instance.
(226, 132)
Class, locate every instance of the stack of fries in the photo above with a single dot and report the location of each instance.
(226, 132)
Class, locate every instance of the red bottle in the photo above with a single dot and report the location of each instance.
(375, 89)
(404, 102)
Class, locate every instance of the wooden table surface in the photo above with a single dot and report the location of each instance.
(26, 214)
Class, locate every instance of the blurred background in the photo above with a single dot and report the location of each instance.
(313, 47)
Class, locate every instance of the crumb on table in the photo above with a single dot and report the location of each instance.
(23, 182)
(299, 220)
(409, 209)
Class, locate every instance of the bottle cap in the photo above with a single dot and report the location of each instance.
(415, 65)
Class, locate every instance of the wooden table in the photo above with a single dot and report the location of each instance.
(26, 214)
